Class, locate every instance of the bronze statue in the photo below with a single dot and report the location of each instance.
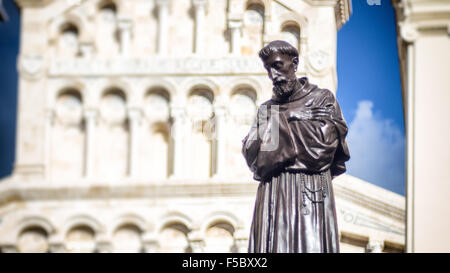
(295, 148)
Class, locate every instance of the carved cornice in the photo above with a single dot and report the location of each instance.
(33, 3)
(415, 16)
(164, 189)
(343, 9)
(369, 196)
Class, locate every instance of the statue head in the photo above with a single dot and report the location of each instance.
(281, 60)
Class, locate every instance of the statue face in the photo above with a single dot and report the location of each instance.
(281, 69)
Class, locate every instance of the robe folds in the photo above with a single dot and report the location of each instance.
(294, 149)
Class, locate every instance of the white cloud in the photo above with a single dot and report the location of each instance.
(377, 149)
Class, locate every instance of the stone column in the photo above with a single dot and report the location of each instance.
(241, 240)
(176, 134)
(150, 243)
(9, 249)
(196, 242)
(50, 120)
(151, 246)
(163, 26)
(87, 50)
(242, 245)
(57, 248)
(219, 140)
(103, 246)
(235, 27)
(375, 247)
(134, 118)
(90, 117)
(200, 12)
(125, 36)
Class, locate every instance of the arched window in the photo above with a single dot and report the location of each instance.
(113, 137)
(243, 105)
(200, 112)
(181, 39)
(33, 240)
(80, 239)
(68, 42)
(155, 145)
(219, 238)
(107, 39)
(157, 104)
(291, 34)
(243, 113)
(113, 106)
(69, 106)
(253, 28)
(68, 135)
(108, 11)
(174, 239)
(127, 239)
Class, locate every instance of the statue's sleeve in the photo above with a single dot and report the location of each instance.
(319, 138)
(268, 147)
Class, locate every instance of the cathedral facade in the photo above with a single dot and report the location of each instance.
(130, 121)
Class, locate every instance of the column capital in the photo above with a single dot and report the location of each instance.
(162, 3)
(9, 249)
(134, 114)
(90, 114)
(177, 111)
(199, 2)
(220, 110)
(87, 49)
(57, 248)
(196, 241)
(104, 247)
(124, 23)
(51, 117)
(235, 24)
(150, 243)
(408, 32)
(50, 114)
(242, 245)
(375, 246)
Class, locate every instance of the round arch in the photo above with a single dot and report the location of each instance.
(295, 19)
(174, 218)
(34, 221)
(128, 219)
(202, 84)
(82, 220)
(78, 21)
(75, 85)
(219, 217)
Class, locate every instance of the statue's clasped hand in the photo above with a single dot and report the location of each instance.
(316, 113)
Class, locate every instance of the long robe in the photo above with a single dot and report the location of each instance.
(294, 149)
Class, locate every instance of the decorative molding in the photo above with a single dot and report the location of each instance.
(408, 32)
(33, 3)
(319, 61)
(368, 202)
(343, 10)
(416, 16)
(355, 218)
(160, 66)
(32, 66)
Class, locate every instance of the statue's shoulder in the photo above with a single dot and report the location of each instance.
(323, 94)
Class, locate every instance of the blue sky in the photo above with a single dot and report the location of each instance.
(369, 93)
